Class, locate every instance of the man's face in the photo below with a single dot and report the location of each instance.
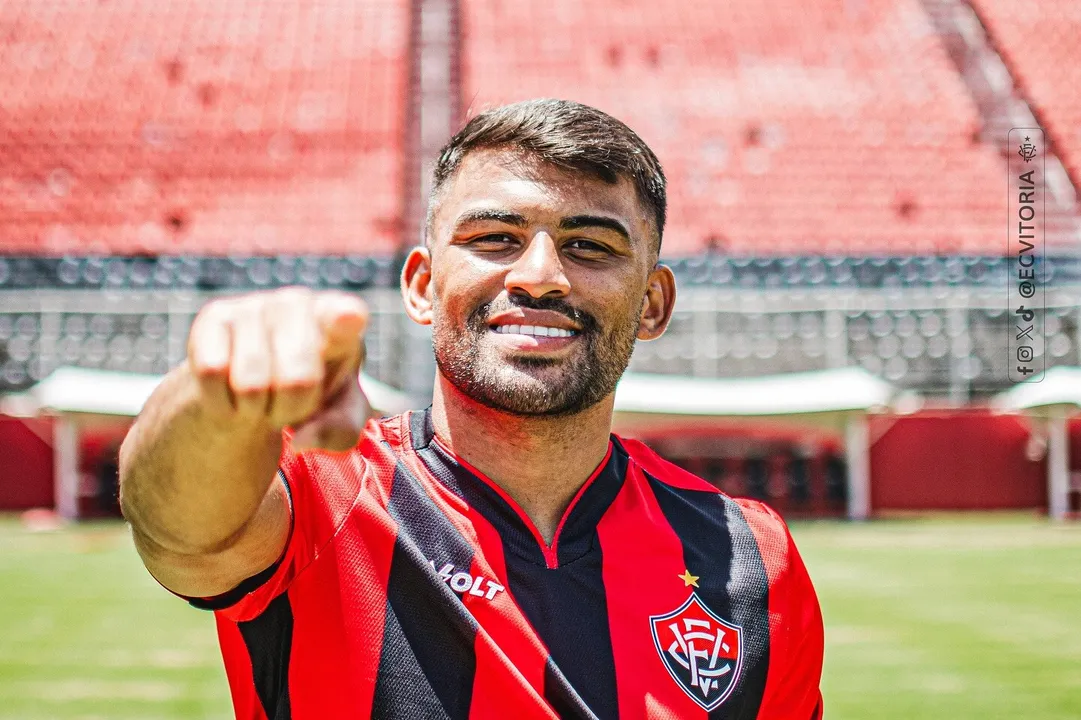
(539, 281)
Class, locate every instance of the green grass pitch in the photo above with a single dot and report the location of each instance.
(937, 619)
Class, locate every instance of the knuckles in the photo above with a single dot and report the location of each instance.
(264, 350)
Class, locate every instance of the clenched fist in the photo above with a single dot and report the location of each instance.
(288, 357)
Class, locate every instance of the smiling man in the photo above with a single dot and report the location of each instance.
(502, 553)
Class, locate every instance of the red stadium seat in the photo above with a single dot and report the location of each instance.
(784, 127)
(1038, 42)
(202, 127)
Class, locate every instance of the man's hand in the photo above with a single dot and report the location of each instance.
(199, 469)
(288, 357)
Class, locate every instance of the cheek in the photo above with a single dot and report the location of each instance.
(457, 291)
(613, 305)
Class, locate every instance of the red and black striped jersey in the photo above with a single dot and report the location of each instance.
(414, 587)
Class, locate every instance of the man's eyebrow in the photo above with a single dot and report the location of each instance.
(502, 216)
(574, 222)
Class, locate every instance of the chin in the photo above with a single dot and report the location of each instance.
(533, 382)
(526, 394)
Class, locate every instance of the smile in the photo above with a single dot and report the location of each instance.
(533, 331)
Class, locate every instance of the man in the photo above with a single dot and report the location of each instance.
(500, 554)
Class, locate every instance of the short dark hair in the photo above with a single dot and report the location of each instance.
(568, 135)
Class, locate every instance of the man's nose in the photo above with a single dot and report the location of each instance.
(538, 271)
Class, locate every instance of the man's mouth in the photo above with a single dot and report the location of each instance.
(534, 331)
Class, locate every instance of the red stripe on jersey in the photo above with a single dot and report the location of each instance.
(238, 670)
(354, 600)
(795, 622)
(630, 557)
(550, 552)
(506, 644)
(500, 684)
(498, 688)
(379, 474)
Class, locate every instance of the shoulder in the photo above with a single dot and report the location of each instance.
(330, 482)
(664, 471)
(380, 437)
(769, 529)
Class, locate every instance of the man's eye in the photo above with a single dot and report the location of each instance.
(587, 247)
(495, 240)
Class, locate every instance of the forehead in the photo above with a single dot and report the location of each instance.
(509, 180)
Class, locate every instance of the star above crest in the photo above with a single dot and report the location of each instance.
(688, 579)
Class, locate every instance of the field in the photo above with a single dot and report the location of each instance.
(936, 619)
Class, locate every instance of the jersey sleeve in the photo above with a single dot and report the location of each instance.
(795, 622)
(322, 487)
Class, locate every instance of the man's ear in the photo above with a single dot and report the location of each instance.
(658, 303)
(417, 285)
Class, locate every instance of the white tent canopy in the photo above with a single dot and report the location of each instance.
(837, 399)
(1055, 397)
(87, 392)
(825, 391)
(1059, 388)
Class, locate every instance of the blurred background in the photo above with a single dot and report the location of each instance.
(838, 228)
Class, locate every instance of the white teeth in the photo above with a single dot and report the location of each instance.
(533, 330)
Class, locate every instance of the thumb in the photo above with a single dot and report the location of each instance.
(342, 318)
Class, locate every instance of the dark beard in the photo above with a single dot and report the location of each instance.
(534, 387)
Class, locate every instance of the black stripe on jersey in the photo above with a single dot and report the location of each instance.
(427, 664)
(580, 677)
(719, 547)
(562, 697)
(402, 689)
(568, 607)
(269, 639)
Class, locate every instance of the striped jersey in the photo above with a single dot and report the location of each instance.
(414, 587)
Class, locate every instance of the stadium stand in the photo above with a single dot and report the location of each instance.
(789, 128)
(1038, 42)
(836, 186)
(1002, 104)
(202, 128)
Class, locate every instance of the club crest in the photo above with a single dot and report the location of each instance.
(702, 652)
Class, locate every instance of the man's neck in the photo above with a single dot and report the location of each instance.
(540, 462)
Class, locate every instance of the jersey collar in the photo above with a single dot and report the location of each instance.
(576, 535)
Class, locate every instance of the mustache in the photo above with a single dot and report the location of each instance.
(479, 317)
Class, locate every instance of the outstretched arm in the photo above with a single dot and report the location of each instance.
(198, 468)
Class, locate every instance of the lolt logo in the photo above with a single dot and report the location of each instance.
(702, 652)
(462, 582)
